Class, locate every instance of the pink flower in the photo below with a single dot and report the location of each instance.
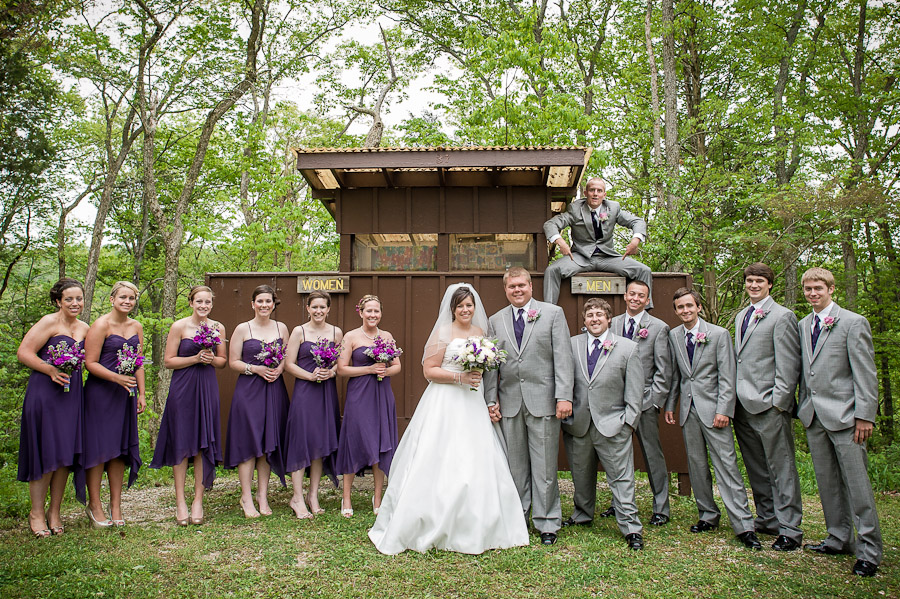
(701, 338)
(829, 321)
(603, 216)
(759, 314)
(533, 315)
(644, 333)
(607, 346)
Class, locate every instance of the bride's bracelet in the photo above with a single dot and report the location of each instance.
(458, 378)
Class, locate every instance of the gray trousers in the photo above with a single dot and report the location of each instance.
(845, 490)
(617, 456)
(532, 448)
(565, 267)
(720, 442)
(767, 446)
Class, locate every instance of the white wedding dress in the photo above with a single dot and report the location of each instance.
(450, 486)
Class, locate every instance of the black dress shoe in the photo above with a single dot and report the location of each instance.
(608, 513)
(782, 543)
(864, 568)
(570, 522)
(824, 549)
(703, 526)
(548, 538)
(749, 539)
(658, 519)
(636, 541)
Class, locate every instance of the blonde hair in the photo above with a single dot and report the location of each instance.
(366, 299)
(127, 285)
(516, 271)
(199, 289)
(817, 273)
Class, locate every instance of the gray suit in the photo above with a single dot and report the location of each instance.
(768, 369)
(840, 385)
(657, 363)
(706, 386)
(528, 386)
(606, 409)
(590, 252)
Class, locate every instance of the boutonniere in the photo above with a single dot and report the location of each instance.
(532, 315)
(828, 322)
(607, 346)
(644, 333)
(702, 338)
(759, 314)
(603, 216)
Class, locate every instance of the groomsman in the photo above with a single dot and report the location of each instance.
(704, 377)
(837, 403)
(609, 384)
(767, 343)
(530, 394)
(652, 337)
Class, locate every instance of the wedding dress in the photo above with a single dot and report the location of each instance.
(450, 486)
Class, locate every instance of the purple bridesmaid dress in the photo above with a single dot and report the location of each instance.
(51, 433)
(369, 429)
(190, 422)
(258, 415)
(314, 419)
(110, 415)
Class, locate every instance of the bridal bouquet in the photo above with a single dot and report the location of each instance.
(65, 358)
(325, 352)
(481, 354)
(272, 353)
(129, 361)
(383, 350)
(207, 337)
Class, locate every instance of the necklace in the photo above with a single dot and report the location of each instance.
(367, 335)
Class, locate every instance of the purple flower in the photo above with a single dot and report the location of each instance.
(65, 358)
(383, 350)
(325, 353)
(481, 354)
(129, 361)
(644, 333)
(272, 353)
(207, 337)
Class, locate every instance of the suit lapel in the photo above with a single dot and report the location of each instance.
(680, 348)
(510, 331)
(698, 347)
(603, 357)
(823, 333)
(529, 326)
(581, 358)
(588, 220)
(765, 306)
(806, 338)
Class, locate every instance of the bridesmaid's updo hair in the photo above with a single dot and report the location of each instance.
(127, 285)
(199, 289)
(265, 289)
(318, 295)
(56, 292)
(456, 299)
(365, 300)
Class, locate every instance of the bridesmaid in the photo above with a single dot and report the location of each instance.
(369, 430)
(259, 406)
(110, 407)
(314, 418)
(190, 422)
(50, 441)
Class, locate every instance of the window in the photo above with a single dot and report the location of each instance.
(395, 251)
(473, 251)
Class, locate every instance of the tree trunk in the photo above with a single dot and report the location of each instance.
(654, 109)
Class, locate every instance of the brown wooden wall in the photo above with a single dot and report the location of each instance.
(410, 302)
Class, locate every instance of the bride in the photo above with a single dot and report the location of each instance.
(450, 486)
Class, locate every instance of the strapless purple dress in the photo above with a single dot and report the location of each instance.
(51, 432)
(369, 429)
(110, 415)
(258, 417)
(314, 419)
(190, 422)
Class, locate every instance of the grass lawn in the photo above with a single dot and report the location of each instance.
(280, 556)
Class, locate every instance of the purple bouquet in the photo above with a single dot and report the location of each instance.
(207, 337)
(480, 353)
(325, 353)
(383, 350)
(129, 361)
(272, 353)
(65, 358)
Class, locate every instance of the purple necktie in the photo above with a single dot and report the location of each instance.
(816, 330)
(593, 357)
(690, 347)
(746, 322)
(519, 327)
(630, 332)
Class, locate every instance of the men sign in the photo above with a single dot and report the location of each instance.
(598, 285)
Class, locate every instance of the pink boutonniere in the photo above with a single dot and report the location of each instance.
(702, 338)
(828, 322)
(603, 216)
(759, 314)
(607, 346)
(532, 315)
(644, 333)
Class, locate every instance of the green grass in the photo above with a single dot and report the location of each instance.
(280, 556)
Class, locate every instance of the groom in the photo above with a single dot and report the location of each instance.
(530, 394)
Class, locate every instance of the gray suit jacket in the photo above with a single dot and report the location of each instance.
(768, 359)
(584, 241)
(709, 382)
(611, 396)
(839, 383)
(655, 357)
(540, 372)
